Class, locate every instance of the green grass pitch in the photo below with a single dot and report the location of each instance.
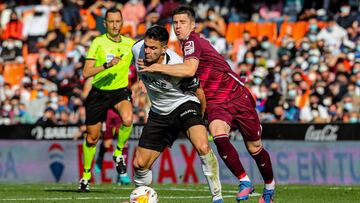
(170, 193)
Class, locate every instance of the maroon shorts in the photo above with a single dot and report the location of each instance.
(239, 113)
(112, 124)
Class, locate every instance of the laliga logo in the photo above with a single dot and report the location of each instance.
(56, 155)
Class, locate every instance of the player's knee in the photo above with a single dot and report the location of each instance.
(139, 164)
(254, 147)
(107, 143)
(91, 141)
(127, 121)
(203, 148)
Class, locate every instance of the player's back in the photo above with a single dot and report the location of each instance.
(216, 77)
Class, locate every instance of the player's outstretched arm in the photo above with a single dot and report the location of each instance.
(186, 69)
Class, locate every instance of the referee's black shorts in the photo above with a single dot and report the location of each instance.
(99, 101)
(162, 130)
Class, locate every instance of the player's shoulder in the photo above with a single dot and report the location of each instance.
(99, 39)
(173, 57)
(137, 46)
(193, 37)
(138, 43)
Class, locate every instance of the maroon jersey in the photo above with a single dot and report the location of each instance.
(216, 77)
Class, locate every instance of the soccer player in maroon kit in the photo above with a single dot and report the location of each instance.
(230, 105)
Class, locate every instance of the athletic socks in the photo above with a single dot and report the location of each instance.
(210, 168)
(124, 134)
(263, 162)
(89, 153)
(142, 177)
(270, 186)
(229, 155)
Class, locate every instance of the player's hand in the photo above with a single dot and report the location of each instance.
(143, 68)
(114, 61)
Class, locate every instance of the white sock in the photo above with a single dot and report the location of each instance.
(142, 177)
(210, 168)
(245, 178)
(270, 186)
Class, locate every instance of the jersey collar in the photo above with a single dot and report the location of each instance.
(114, 40)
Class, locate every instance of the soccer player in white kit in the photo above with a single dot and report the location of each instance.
(174, 109)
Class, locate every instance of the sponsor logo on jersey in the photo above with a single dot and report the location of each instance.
(189, 47)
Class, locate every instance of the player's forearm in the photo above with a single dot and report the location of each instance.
(177, 70)
(201, 96)
(92, 71)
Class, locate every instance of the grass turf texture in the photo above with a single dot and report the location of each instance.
(169, 193)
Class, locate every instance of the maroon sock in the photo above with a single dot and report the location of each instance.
(263, 162)
(229, 155)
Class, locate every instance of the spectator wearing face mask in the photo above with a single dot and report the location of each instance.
(48, 118)
(345, 17)
(218, 42)
(315, 111)
(313, 29)
(273, 98)
(214, 21)
(279, 114)
(292, 112)
(333, 35)
(268, 49)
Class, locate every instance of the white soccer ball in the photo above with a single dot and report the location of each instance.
(143, 194)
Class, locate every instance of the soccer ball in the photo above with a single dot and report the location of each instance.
(143, 194)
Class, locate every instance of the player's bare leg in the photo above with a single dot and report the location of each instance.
(220, 130)
(144, 158)
(209, 163)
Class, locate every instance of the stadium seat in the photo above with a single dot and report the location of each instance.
(286, 28)
(13, 73)
(128, 29)
(234, 31)
(141, 29)
(252, 28)
(267, 29)
(299, 30)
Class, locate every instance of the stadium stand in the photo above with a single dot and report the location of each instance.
(296, 63)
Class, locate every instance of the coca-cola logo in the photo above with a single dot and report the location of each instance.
(326, 133)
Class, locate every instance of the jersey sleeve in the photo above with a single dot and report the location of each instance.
(92, 52)
(191, 49)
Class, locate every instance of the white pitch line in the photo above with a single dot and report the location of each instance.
(109, 198)
(157, 189)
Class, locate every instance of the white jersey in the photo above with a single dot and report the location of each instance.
(163, 90)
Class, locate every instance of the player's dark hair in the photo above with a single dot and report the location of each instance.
(159, 33)
(112, 10)
(184, 9)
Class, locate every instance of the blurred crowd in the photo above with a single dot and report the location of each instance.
(300, 58)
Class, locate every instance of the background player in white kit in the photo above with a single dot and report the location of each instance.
(174, 109)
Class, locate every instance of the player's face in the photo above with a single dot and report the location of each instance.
(154, 50)
(113, 23)
(183, 25)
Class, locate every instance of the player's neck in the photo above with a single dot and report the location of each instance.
(188, 35)
(116, 38)
(161, 59)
